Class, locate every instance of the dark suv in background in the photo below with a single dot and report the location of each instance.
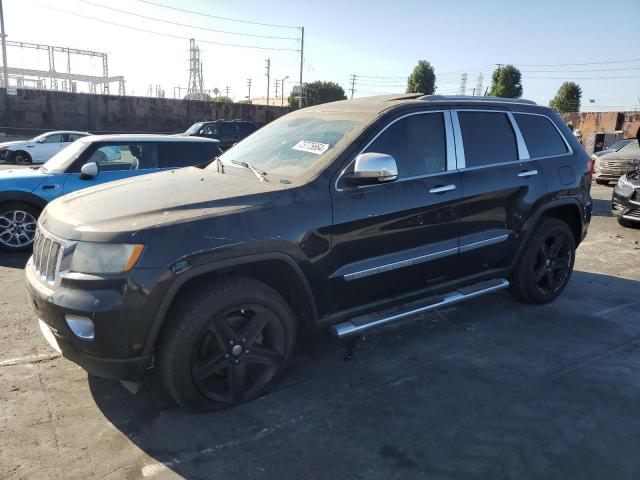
(348, 216)
(227, 132)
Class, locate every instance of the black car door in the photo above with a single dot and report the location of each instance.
(402, 236)
(500, 185)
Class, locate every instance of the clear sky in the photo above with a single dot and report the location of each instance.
(378, 41)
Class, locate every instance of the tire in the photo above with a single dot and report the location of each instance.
(21, 158)
(18, 223)
(602, 182)
(224, 343)
(544, 267)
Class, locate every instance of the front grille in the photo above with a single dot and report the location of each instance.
(635, 196)
(633, 214)
(46, 256)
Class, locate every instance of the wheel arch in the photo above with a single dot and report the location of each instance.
(278, 270)
(22, 197)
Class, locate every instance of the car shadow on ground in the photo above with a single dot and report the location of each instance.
(492, 388)
(14, 260)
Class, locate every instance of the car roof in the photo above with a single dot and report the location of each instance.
(382, 103)
(65, 131)
(141, 137)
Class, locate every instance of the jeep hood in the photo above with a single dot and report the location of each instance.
(115, 210)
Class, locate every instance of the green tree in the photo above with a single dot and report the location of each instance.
(506, 82)
(568, 98)
(422, 79)
(221, 99)
(318, 92)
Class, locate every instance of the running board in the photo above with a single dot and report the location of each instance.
(368, 321)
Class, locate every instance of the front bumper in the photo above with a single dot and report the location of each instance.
(609, 173)
(625, 203)
(117, 349)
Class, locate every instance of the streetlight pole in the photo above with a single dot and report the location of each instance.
(5, 71)
(282, 87)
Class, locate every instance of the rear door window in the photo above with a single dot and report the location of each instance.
(227, 129)
(540, 135)
(185, 154)
(488, 138)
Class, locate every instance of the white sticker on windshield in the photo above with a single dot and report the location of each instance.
(311, 147)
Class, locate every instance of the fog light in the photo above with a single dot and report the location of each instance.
(81, 326)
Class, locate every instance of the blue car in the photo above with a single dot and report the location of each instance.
(89, 161)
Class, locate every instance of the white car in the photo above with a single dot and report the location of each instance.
(38, 149)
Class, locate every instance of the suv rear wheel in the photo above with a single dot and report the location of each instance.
(544, 267)
(225, 343)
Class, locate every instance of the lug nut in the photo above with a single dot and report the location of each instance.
(226, 355)
(246, 352)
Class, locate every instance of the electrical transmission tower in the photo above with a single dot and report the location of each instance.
(268, 74)
(226, 91)
(249, 85)
(463, 84)
(479, 84)
(195, 90)
(277, 85)
(353, 84)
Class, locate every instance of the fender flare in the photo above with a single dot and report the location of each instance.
(192, 273)
(26, 197)
(535, 217)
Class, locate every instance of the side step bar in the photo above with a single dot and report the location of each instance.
(394, 314)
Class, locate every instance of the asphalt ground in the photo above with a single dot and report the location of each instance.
(488, 389)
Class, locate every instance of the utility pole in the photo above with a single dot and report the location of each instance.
(5, 71)
(353, 84)
(226, 91)
(249, 85)
(268, 67)
(282, 89)
(277, 85)
(301, 64)
(463, 84)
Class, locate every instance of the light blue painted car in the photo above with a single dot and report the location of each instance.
(89, 161)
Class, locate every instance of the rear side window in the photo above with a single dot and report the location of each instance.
(185, 154)
(227, 129)
(246, 128)
(488, 138)
(540, 136)
(417, 142)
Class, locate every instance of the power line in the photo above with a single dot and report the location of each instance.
(153, 32)
(582, 71)
(630, 60)
(583, 78)
(215, 16)
(126, 12)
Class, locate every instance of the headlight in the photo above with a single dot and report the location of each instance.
(91, 257)
(623, 182)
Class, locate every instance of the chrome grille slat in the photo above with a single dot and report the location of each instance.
(46, 256)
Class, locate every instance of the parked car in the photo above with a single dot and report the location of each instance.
(39, 149)
(611, 166)
(349, 215)
(228, 132)
(613, 148)
(87, 162)
(625, 202)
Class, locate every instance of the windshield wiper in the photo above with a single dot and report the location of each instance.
(262, 175)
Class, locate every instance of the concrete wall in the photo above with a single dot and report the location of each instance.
(38, 110)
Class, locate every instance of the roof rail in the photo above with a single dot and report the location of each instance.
(468, 98)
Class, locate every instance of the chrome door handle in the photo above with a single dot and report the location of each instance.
(442, 189)
(528, 173)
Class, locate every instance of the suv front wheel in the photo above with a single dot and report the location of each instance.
(224, 343)
(544, 267)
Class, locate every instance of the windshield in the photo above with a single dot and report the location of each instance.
(193, 129)
(618, 145)
(297, 144)
(65, 157)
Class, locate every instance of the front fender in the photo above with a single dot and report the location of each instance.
(20, 196)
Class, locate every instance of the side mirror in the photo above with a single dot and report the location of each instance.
(371, 168)
(90, 170)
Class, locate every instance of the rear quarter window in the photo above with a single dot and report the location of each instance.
(185, 154)
(540, 135)
(487, 138)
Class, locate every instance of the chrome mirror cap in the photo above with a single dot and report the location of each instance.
(90, 170)
(375, 166)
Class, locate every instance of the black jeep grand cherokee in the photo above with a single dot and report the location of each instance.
(347, 215)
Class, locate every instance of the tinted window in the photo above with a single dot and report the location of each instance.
(210, 130)
(488, 138)
(55, 138)
(227, 129)
(74, 136)
(246, 128)
(417, 142)
(540, 136)
(129, 156)
(184, 154)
